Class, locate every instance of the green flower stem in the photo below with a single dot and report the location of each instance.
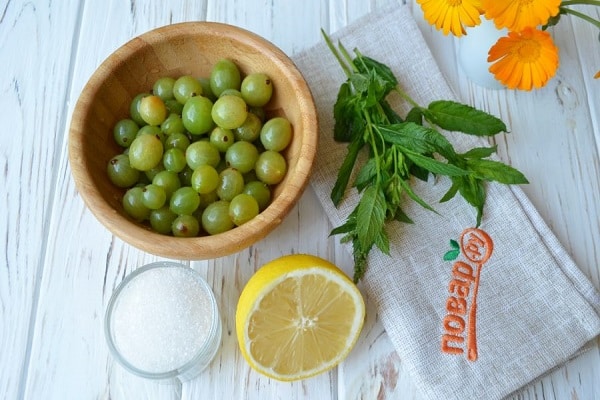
(583, 2)
(582, 16)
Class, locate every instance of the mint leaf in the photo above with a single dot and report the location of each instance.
(366, 174)
(400, 216)
(392, 116)
(348, 120)
(480, 152)
(341, 183)
(415, 115)
(453, 116)
(434, 166)
(451, 192)
(382, 242)
(365, 64)
(496, 171)
(415, 197)
(370, 216)
(359, 82)
(401, 148)
(347, 227)
(473, 191)
(377, 90)
(419, 173)
(417, 138)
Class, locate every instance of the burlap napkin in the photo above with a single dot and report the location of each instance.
(535, 309)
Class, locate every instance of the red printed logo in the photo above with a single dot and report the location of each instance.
(476, 247)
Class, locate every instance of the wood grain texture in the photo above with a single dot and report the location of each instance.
(69, 358)
(60, 265)
(34, 86)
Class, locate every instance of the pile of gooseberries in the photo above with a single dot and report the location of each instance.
(200, 156)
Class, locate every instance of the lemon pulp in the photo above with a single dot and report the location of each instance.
(298, 316)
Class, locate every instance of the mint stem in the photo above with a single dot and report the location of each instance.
(407, 97)
(337, 54)
(347, 55)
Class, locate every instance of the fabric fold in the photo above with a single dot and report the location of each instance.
(533, 308)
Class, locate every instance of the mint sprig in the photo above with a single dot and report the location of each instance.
(401, 148)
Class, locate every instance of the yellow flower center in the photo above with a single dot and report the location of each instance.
(528, 50)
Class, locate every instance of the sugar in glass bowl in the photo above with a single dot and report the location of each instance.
(162, 322)
(189, 48)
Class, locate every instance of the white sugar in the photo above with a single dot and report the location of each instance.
(162, 319)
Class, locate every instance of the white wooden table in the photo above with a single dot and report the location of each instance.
(59, 266)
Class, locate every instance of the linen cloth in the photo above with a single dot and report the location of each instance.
(535, 309)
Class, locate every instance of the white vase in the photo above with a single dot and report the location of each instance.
(473, 51)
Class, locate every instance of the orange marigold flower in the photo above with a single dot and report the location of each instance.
(597, 76)
(516, 15)
(451, 15)
(524, 60)
(478, 5)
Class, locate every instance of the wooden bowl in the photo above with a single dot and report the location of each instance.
(175, 50)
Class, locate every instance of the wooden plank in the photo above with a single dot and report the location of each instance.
(83, 262)
(34, 87)
(585, 49)
(289, 27)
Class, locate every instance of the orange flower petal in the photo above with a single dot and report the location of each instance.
(524, 60)
(527, 76)
(478, 6)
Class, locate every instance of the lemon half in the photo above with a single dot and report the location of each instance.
(298, 316)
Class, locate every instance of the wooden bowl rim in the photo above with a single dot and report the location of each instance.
(203, 247)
